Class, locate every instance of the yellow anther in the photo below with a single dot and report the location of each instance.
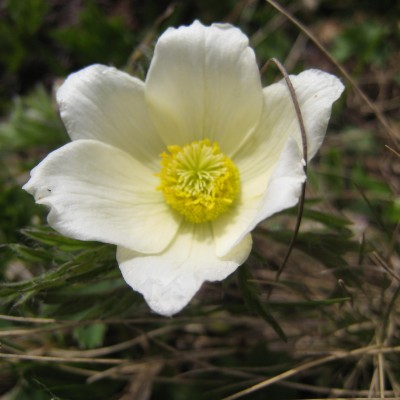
(198, 181)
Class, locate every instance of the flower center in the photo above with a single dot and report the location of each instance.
(198, 181)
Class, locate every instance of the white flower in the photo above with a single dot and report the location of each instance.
(177, 170)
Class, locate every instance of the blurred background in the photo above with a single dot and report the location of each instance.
(328, 328)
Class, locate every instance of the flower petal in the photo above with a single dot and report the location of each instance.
(270, 162)
(257, 158)
(98, 192)
(316, 91)
(282, 191)
(284, 186)
(108, 105)
(204, 82)
(169, 280)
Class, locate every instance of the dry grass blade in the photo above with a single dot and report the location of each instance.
(393, 150)
(113, 348)
(37, 331)
(382, 263)
(369, 350)
(332, 391)
(26, 357)
(28, 320)
(381, 372)
(355, 398)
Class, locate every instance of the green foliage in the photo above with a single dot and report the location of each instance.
(364, 43)
(33, 121)
(90, 336)
(32, 125)
(96, 37)
(70, 324)
(16, 210)
(27, 16)
(47, 382)
(25, 19)
(251, 296)
(40, 41)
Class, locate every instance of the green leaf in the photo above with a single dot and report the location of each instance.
(312, 303)
(89, 39)
(48, 236)
(33, 121)
(90, 336)
(27, 15)
(251, 296)
(30, 254)
(331, 221)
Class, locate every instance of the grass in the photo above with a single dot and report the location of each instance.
(325, 326)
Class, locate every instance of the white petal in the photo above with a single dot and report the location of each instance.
(316, 91)
(284, 186)
(269, 185)
(204, 82)
(283, 191)
(257, 158)
(98, 192)
(108, 105)
(169, 280)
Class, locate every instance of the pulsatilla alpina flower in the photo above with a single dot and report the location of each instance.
(177, 170)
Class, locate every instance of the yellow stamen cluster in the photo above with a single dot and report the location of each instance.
(198, 181)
